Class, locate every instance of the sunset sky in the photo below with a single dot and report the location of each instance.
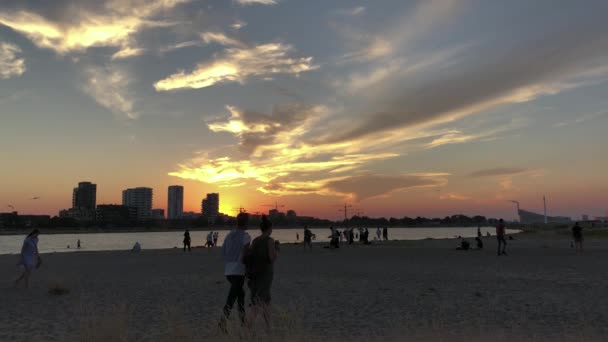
(397, 107)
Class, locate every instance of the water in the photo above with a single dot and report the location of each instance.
(11, 244)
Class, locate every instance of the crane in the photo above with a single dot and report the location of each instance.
(239, 210)
(276, 206)
(345, 210)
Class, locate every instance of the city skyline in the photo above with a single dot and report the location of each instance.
(402, 108)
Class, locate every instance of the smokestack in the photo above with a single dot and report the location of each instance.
(545, 205)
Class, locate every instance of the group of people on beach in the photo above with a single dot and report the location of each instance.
(211, 241)
(251, 260)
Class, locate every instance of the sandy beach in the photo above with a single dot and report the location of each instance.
(422, 290)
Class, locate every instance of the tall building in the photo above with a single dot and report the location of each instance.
(211, 205)
(140, 198)
(85, 196)
(175, 204)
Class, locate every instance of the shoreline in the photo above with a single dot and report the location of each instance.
(53, 231)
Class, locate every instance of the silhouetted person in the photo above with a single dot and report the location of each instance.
(29, 258)
(216, 236)
(464, 245)
(260, 259)
(334, 241)
(385, 233)
(187, 241)
(233, 249)
(479, 242)
(577, 236)
(297, 236)
(209, 240)
(307, 238)
(78, 244)
(500, 237)
(479, 232)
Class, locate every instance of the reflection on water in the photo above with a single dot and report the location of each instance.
(11, 244)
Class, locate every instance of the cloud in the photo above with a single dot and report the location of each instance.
(71, 26)
(238, 24)
(500, 171)
(454, 196)
(11, 65)
(372, 185)
(220, 38)
(274, 154)
(353, 12)
(238, 64)
(506, 75)
(257, 2)
(580, 119)
(109, 87)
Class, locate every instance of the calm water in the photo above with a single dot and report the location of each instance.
(11, 244)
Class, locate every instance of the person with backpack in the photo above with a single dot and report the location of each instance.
(235, 243)
(259, 260)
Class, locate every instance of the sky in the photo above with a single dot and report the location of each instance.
(398, 108)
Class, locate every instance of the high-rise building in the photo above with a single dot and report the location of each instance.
(210, 206)
(85, 196)
(175, 204)
(140, 198)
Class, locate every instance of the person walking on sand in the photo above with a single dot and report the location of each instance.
(235, 243)
(216, 236)
(385, 233)
(187, 240)
(29, 258)
(307, 238)
(577, 236)
(209, 240)
(260, 258)
(78, 244)
(378, 233)
(500, 237)
(479, 232)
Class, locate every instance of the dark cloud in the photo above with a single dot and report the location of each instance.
(484, 73)
(283, 119)
(371, 185)
(500, 171)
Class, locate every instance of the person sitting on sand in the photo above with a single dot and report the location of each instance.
(136, 247)
(464, 245)
(187, 240)
(260, 258)
(500, 237)
(233, 248)
(577, 236)
(29, 258)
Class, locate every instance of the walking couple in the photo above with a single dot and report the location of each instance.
(251, 259)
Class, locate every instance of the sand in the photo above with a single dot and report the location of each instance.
(422, 290)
